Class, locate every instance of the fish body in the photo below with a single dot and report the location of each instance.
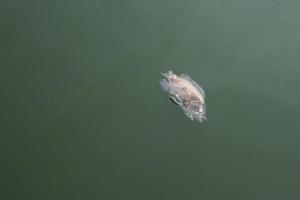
(185, 92)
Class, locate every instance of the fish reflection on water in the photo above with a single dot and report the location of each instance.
(186, 93)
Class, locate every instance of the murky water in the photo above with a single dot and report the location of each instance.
(85, 117)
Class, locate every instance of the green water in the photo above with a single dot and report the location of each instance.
(84, 117)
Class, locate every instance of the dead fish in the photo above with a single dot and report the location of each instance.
(186, 93)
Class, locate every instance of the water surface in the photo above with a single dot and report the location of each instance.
(84, 116)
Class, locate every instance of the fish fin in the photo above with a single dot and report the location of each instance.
(168, 74)
(174, 100)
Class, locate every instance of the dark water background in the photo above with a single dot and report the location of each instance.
(83, 116)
